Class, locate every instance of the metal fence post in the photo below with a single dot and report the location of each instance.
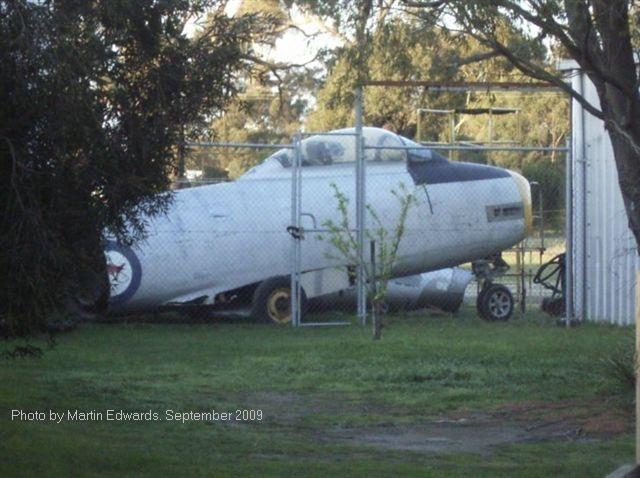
(296, 196)
(637, 368)
(568, 256)
(360, 209)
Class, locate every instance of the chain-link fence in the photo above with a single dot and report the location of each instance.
(282, 242)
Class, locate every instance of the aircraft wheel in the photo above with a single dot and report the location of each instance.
(495, 303)
(90, 304)
(272, 301)
(479, 299)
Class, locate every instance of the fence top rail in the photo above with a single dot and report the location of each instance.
(201, 180)
(434, 146)
(208, 144)
(542, 149)
(478, 143)
(471, 143)
(470, 148)
(472, 111)
(468, 85)
(327, 133)
(434, 110)
(227, 144)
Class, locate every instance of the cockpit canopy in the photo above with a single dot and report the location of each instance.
(339, 147)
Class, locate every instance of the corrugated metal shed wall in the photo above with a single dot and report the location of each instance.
(604, 253)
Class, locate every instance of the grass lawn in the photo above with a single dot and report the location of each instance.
(438, 396)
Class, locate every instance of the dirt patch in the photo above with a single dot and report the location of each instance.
(480, 435)
(478, 432)
(289, 407)
(594, 417)
(608, 423)
(435, 437)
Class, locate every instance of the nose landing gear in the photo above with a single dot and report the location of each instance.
(495, 301)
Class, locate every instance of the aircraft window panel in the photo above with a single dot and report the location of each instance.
(284, 156)
(380, 140)
(326, 150)
(322, 152)
(420, 153)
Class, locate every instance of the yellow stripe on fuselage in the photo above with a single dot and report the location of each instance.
(525, 193)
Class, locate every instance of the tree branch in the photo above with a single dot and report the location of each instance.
(274, 67)
(475, 58)
(530, 69)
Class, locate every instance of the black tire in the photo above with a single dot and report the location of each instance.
(496, 303)
(480, 296)
(271, 302)
(92, 303)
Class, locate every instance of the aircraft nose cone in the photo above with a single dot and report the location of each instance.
(525, 194)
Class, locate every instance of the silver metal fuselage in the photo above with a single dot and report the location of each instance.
(221, 237)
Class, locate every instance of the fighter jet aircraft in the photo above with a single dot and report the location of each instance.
(225, 244)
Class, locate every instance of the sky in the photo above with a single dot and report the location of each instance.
(293, 47)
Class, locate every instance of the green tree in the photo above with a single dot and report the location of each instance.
(94, 97)
(266, 111)
(271, 103)
(404, 47)
(385, 242)
(600, 35)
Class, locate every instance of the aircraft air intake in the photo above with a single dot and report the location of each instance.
(525, 193)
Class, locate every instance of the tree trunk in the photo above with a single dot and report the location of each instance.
(616, 81)
(623, 126)
(375, 320)
(628, 166)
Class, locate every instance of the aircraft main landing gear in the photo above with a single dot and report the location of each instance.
(272, 301)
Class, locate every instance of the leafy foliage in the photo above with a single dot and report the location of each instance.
(272, 99)
(550, 179)
(403, 48)
(267, 112)
(601, 36)
(342, 236)
(93, 99)
(618, 369)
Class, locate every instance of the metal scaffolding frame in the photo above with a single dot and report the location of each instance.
(491, 111)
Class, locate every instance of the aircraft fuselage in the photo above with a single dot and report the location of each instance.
(222, 237)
